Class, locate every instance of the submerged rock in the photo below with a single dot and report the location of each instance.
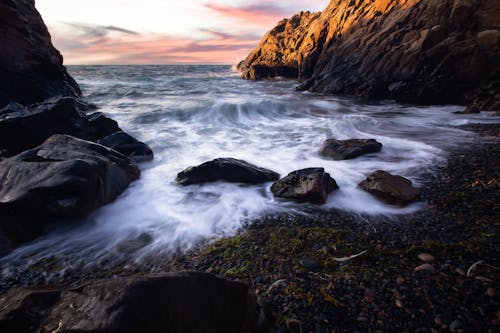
(392, 189)
(172, 302)
(127, 145)
(64, 176)
(31, 68)
(226, 169)
(133, 245)
(418, 51)
(307, 185)
(349, 149)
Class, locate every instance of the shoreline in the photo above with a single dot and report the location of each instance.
(292, 262)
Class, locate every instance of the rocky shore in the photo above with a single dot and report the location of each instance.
(432, 271)
(417, 51)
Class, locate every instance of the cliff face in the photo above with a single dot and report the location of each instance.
(421, 51)
(31, 68)
(282, 50)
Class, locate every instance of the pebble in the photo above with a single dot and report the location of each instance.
(425, 267)
(455, 325)
(310, 264)
(490, 292)
(399, 304)
(426, 257)
(400, 280)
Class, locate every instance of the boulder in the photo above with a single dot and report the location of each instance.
(226, 169)
(30, 67)
(349, 149)
(63, 177)
(185, 302)
(127, 145)
(417, 51)
(392, 189)
(311, 185)
(24, 128)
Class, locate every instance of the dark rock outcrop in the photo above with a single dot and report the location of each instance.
(24, 128)
(31, 68)
(349, 149)
(311, 185)
(173, 302)
(392, 189)
(419, 51)
(226, 169)
(127, 145)
(64, 176)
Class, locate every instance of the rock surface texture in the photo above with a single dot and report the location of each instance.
(419, 51)
(349, 149)
(392, 189)
(24, 128)
(174, 302)
(311, 185)
(226, 169)
(127, 145)
(64, 176)
(31, 68)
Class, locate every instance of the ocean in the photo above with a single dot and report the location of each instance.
(192, 114)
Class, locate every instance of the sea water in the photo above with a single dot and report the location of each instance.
(192, 114)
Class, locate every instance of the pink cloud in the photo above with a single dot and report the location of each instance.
(84, 44)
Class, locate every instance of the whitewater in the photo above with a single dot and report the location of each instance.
(192, 114)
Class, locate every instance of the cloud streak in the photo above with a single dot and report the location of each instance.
(157, 32)
(102, 45)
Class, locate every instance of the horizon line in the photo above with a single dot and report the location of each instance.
(172, 64)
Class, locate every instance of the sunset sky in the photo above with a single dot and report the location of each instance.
(163, 31)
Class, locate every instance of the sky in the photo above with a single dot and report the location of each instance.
(163, 31)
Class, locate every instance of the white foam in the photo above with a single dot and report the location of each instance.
(261, 122)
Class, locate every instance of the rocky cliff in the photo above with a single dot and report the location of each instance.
(31, 68)
(420, 51)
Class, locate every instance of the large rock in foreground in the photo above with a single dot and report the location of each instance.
(226, 169)
(64, 176)
(418, 51)
(31, 68)
(349, 149)
(311, 185)
(174, 303)
(392, 189)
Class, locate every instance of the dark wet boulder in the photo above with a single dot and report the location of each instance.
(31, 69)
(226, 169)
(307, 185)
(349, 149)
(392, 189)
(24, 128)
(172, 302)
(127, 145)
(64, 176)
